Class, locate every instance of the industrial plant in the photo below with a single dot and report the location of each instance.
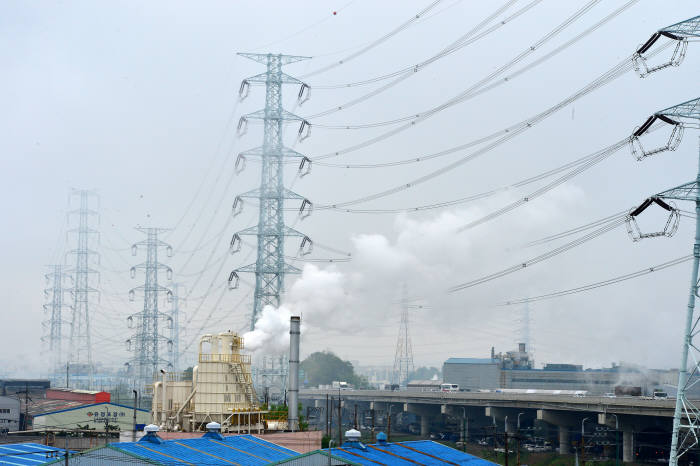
(265, 234)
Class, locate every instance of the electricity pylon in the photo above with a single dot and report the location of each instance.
(148, 341)
(80, 346)
(53, 325)
(403, 358)
(175, 328)
(686, 417)
(681, 32)
(270, 266)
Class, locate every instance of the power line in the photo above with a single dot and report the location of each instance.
(535, 260)
(413, 69)
(375, 43)
(420, 117)
(592, 286)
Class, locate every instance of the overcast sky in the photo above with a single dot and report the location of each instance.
(138, 101)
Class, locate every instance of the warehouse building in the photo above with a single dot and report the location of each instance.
(515, 370)
(9, 414)
(96, 416)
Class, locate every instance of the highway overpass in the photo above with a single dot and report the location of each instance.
(567, 413)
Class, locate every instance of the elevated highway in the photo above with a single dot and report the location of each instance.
(568, 413)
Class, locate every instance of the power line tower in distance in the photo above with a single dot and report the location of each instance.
(148, 343)
(403, 358)
(85, 238)
(53, 328)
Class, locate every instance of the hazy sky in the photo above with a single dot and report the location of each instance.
(138, 100)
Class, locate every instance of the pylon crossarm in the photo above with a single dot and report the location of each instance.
(265, 57)
(682, 32)
(262, 79)
(687, 111)
(687, 28)
(685, 192)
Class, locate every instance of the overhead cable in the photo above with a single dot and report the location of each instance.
(374, 43)
(615, 72)
(592, 286)
(453, 47)
(542, 257)
(419, 117)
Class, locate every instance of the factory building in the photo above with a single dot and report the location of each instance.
(9, 414)
(95, 416)
(220, 389)
(514, 370)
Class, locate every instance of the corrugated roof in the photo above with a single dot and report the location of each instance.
(236, 449)
(28, 453)
(471, 361)
(424, 452)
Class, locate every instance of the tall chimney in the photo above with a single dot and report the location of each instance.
(293, 409)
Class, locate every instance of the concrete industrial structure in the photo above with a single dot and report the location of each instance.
(220, 389)
(514, 370)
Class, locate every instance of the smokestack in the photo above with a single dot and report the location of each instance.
(293, 409)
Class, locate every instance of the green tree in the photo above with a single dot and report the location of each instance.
(322, 368)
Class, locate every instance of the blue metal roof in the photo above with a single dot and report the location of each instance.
(424, 452)
(234, 449)
(28, 453)
(472, 361)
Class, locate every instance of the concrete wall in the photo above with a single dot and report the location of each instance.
(472, 376)
(9, 413)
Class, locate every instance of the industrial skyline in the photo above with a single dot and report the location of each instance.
(386, 243)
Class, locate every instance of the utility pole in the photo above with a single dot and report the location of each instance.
(148, 341)
(505, 440)
(403, 358)
(328, 424)
(53, 325)
(355, 424)
(85, 237)
(136, 401)
(373, 430)
(340, 421)
(686, 114)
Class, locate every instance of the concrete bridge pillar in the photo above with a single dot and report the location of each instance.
(426, 413)
(627, 446)
(565, 422)
(564, 441)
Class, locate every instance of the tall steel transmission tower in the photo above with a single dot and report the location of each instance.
(686, 418)
(53, 325)
(175, 327)
(148, 342)
(80, 346)
(403, 358)
(270, 266)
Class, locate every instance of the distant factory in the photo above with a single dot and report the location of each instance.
(515, 370)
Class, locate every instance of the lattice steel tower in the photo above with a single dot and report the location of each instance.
(270, 267)
(175, 327)
(148, 342)
(80, 346)
(403, 359)
(686, 418)
(53, 325)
